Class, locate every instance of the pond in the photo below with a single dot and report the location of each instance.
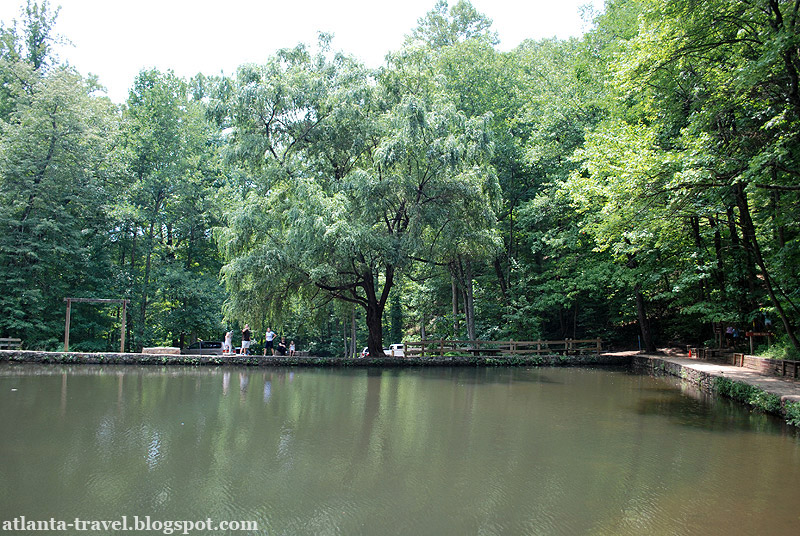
(392, 451)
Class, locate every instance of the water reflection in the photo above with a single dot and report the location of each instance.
(685, 405)
(267, 390)
(243, 381)
(373, 451)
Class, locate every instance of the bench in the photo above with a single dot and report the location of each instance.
(162, 350)
(7, 343)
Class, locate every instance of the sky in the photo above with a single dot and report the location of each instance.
(115, 39)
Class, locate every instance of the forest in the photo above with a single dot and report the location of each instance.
(638, 184)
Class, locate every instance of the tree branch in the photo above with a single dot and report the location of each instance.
(779, 187)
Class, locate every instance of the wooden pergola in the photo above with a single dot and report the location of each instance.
(124, 304)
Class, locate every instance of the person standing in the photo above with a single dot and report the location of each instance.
(269, 346)
(227, 346)
(246, 340)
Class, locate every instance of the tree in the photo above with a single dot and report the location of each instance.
(716, 83)
(167, 211)
(53, 194)
(456, 48)
(352, 186)
(29, 42)
(556, 270)
(441, 27)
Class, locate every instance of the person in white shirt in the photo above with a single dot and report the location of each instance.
(227, 346)
(270, 335)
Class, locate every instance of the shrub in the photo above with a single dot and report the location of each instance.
(792, 412)
(781, 350)
(748, 394)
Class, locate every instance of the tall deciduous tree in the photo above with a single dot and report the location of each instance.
(55, 184)
(353, 184)
(54, 201)
(167, 211)
(702, 131)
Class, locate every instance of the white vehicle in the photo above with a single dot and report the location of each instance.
(395, 350)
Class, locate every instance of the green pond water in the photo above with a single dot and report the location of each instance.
(434, 451)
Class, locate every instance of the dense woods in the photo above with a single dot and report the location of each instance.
(639, 184)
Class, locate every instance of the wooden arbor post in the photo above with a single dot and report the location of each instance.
(66, 327)
(124, 304)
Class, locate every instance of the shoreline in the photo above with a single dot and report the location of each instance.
(85, 358)
(771, 394)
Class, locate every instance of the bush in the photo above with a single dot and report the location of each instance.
(754, 396)
(792, 411)
(781, 350)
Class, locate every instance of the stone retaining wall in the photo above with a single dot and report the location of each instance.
(654, 366)
(19, 356)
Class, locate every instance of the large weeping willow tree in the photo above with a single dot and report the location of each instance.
(350, 180)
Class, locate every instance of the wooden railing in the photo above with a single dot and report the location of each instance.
(442, 348)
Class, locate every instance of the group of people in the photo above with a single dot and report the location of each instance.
(269, 345)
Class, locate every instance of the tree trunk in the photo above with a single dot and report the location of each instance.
(694, 223)
(190, 250)
(778, 228)
(641, 310)
(749, 235)
(644, 324)
(575, 322)
(145, 289)
(170, 243)
(132, 325)
(462, 272)
(741, 257)
(501, 278)
(354, 348)
(375, 330)
(455, 304)
(345, 340)
(375, 306)
(719, 271)
(469, 302)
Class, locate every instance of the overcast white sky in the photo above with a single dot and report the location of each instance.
(115, 39)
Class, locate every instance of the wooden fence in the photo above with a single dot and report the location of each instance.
(442, 348)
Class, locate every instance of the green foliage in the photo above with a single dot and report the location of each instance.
(171, 173)
(663, 173)
(792, 413)
(53, 190)
(350, 186)
(779, 350)
(441, 27)
(748, 394)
